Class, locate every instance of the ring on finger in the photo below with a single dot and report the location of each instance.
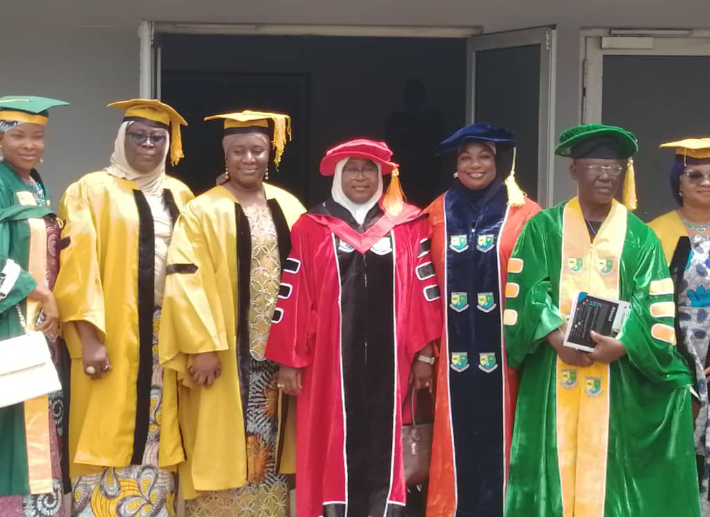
(105, 368)
(90, 370)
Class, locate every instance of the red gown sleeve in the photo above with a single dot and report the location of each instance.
(292, 334)
(424, 311)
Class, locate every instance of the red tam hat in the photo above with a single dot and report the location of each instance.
(378, 152)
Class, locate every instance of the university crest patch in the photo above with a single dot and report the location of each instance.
(485, 243)
(459, 361)
(459, 301)
(568, 379)
(458, 243)
(487, 362)
(486, 302)
(593, 386)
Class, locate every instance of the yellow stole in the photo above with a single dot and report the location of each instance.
(39, 458)
(583, 392)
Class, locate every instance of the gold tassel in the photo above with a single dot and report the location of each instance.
(393, 202)
(516, 197)
(176, 144)
(629, 190)
(282, 130)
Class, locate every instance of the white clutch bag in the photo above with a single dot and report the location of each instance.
(26, 368)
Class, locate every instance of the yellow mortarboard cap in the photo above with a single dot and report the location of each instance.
(698, 148)
(156, 111)
(260, 119)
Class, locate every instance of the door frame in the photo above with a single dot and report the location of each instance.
(150, 52)
(546, 37)
(599, 42)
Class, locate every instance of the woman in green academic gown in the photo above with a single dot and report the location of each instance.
(224, 272)
(30, 432)
(119, 222)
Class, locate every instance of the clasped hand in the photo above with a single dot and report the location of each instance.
(607, 350)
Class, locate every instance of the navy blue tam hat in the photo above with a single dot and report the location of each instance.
(497, 139)
(480, 132)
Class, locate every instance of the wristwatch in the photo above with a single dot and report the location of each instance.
(426, 359)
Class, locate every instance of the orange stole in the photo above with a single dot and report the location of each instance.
(583, 392)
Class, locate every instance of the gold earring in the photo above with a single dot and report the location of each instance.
(266, 176)
(226, 169)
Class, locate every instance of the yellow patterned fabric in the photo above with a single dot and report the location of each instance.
(137, 490)
(251, 501)
(265, 277)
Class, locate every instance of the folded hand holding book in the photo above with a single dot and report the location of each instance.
(594, 313)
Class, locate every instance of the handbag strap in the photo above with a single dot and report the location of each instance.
(412, 393)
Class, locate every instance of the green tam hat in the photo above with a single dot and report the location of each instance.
(597, 141)
(603, 142)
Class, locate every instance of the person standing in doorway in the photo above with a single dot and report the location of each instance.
(607, 432)
(685, 236)
(412, 134)
(475, 226)
(119, 222)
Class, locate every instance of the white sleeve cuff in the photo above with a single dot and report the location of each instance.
(694, 393)
(8, 277)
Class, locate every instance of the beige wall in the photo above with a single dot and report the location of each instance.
(86, 51)
(88, 67)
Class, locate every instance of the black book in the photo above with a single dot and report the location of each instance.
(594, 313)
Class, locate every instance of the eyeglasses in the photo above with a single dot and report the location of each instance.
(366, 171)
(613, 171)
(696, 177)
(141, 138)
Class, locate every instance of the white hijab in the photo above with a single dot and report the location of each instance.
(151, 183)
(357, 210)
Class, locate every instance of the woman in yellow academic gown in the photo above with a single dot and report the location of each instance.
(685, 236)
(119, 222)
(224, 271)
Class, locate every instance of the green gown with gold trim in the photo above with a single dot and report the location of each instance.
(603, 440)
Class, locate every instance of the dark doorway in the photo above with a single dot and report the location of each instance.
(334, 88)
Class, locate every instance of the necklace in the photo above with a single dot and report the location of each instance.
(37, 192)
(701, 228)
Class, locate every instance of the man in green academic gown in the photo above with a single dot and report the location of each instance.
(609, 432)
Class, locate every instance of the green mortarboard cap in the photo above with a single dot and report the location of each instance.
(26, 108)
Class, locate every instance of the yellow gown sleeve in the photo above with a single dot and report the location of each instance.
(79, 290)
(192, 320)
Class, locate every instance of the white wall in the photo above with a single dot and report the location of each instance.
(87, 51)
